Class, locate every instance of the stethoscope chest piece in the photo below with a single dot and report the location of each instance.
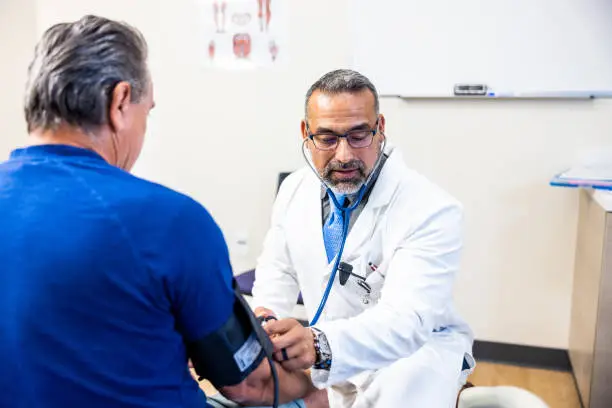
(344, 272)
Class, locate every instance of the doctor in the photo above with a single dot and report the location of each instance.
(383, 330)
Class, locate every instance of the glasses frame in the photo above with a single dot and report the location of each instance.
(311, 136)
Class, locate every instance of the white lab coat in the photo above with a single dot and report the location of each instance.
(388, 348)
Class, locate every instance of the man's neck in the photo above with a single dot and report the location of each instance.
(66, 135)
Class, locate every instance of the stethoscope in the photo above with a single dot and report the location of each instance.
(346, 215)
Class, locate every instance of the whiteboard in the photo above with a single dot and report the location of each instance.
(514, 47)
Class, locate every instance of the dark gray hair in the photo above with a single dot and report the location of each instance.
(342, 80)
(75, 69)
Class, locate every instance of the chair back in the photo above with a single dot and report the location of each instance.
(281, 177)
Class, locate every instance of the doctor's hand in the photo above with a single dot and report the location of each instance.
(262, 311)
(293, 344)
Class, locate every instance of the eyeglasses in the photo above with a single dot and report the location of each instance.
(357, 139)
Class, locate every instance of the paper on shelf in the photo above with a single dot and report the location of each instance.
(596, 173)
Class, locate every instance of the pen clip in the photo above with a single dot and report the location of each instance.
(365, 286)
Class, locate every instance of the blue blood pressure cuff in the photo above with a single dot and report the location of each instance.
(229, 354)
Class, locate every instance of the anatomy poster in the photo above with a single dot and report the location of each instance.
(245, 34)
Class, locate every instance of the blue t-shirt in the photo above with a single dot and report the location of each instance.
(103, 278)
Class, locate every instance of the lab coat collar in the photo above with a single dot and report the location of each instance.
(382, 192)
(388, 179)
(386, 184)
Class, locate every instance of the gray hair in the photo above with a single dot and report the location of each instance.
(76, 68)
(339, 81)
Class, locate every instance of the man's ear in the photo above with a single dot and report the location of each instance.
(303, 129)
(119, 105)
(381, 125)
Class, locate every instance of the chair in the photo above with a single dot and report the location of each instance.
(499, 397)
(245, 283)
(281, 176)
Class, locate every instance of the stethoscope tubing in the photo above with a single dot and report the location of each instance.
(346, 213)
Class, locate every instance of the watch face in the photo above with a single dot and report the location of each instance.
(324, 357)
(324, 345)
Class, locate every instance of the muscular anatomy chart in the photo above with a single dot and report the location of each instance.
(243, 34)
(219, 8)
(264, 13)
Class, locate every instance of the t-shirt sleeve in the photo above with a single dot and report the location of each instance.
(200, 281)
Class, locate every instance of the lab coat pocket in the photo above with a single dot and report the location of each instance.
(353, 287)
(375, 279)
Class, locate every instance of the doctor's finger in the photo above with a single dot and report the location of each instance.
(280, 326)
(262, 311)
(287, 340)
(295, 364)
(281, 356)
(299, 350)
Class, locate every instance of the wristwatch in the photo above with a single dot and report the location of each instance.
(323, 352)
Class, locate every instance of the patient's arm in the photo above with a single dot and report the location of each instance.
(258, 387)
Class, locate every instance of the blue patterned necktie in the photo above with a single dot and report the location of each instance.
(332, 230)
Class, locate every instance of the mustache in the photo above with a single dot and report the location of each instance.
(350, 165)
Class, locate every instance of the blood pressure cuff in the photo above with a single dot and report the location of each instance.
(228, 355)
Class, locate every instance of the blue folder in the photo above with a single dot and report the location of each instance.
(600, 184)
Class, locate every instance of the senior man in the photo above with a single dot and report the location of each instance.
(109, 283)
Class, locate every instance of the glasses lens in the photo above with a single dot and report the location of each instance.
(325, 141)
(360, 138)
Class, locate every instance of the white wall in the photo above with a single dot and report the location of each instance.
(517, 277)
(497, 157)
(17, 38)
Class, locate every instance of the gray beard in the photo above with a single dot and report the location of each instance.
(346, 188)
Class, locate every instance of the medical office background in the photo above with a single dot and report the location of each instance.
(223, 137)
